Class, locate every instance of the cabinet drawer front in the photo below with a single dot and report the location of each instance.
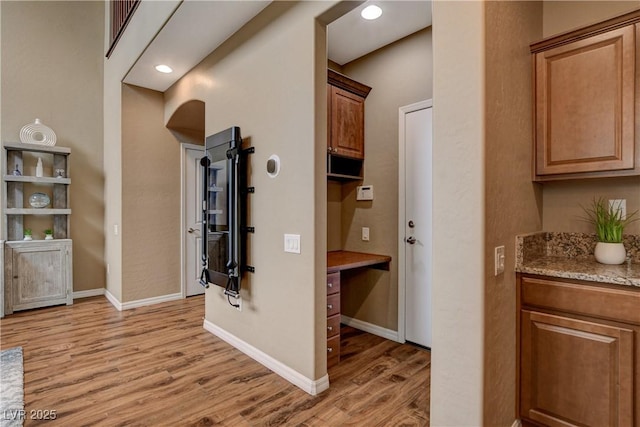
(333, 304)
(333, 325)
(605, 303)
(333, 351)
(333, 283)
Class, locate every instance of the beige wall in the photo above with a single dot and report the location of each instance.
(512, 201)
(52, 69)
(151, 198)
(334, 215)
(562, 200)
(561, 16)
(267, 80)
(399, 74)
(458, 216)
(144, 25)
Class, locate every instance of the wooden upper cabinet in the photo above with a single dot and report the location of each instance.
(345, 98)
(347, 123)
(587, 93)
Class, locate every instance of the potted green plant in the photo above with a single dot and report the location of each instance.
(48, 234)
(609, 225)
(27, 234)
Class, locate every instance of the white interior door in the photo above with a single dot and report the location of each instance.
(416, 121)
(192, 180)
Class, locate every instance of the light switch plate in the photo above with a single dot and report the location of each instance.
(292, 243)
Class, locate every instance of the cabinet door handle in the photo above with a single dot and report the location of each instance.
(329, 285)
(329, 328)
(329, 306)
(329, 349)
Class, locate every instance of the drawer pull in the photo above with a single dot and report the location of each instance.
(329, 306)
(329, 328)
(329, 285)
(329, 349)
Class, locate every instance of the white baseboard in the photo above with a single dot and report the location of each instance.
(313, 387)
(151, 301)
(516, 423)
(89, 293)
(113, 300)
(371, 328)
(141, 302)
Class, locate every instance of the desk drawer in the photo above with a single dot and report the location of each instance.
(333, 351)
(333, 283)
(333, 325)
(333, 304)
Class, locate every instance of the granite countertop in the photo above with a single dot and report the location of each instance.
(570, 256)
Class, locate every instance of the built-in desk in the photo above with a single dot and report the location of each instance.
(338, 261)
(344, 260)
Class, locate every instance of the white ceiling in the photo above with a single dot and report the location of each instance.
(198, 27)
(351, 37)
(195, 30)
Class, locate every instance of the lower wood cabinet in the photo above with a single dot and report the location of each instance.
(37, 274)
(578, 353)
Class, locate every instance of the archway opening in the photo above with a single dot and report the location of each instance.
(187, 122)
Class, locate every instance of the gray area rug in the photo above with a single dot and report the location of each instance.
(11, 387)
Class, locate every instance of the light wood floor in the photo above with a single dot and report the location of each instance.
(157, 366)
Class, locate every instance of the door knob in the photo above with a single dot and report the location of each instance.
(411, 240)
(191, 230)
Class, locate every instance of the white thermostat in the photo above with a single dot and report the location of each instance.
(364, 192)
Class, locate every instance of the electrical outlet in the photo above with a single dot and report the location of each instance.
(499, 260)
(619, 204)
(365, 234)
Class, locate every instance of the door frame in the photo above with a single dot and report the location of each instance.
(402, 286)
(184, 146)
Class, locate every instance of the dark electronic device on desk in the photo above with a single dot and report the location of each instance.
(223, 211)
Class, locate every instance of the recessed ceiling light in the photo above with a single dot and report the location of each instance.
(371, 12)
(164, 69)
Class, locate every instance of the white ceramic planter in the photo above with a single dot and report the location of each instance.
(610, 253)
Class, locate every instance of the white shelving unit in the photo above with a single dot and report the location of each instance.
(37, 273)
